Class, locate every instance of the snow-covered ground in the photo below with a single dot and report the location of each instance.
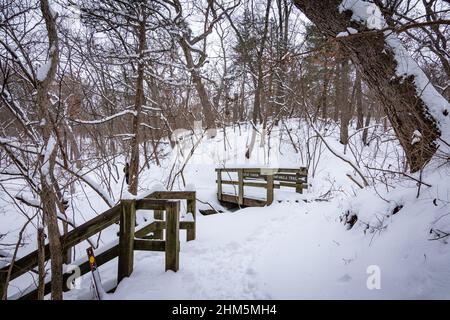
(296, 249)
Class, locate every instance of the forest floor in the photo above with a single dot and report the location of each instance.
(296, 249)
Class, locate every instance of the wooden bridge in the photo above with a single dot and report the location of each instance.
(267, 178)
(124, 213)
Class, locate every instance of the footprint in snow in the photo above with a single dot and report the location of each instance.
(250, 271)
(345, 278)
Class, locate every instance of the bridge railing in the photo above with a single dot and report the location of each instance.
(268, 178)
(164, 203)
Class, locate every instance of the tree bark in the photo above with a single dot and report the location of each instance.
(337, 80)
(138, 102)
(366, 124)
(259, 83)
(41, 263)
(375, 60)
(207, 107)
(324, 95)
(47, 194)
(359, 105)
(343, 102)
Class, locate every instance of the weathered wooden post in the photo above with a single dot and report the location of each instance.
(172, 235)
(159, 232)
(219, 184)
(298, 183)
(269, 188)
(241, 187)
(126, 239)
(190, 233)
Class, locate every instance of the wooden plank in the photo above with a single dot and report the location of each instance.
(269, 189)
(172, 235)
(187, 225)
(219, 185)
(126, 239)
(149, 245)
(184, 225)
(301, 170)
(247, 202)
(240, 187)
(289, 185)
(172, 195)
(152, 227)
(150, 204)
(264, 185)
(72, 238)
(246, 183)
(230, 198)
(299, 184)
(91, 227)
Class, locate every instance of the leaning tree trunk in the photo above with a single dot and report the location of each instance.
(376, 60)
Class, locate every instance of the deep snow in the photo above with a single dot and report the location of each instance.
(293, 249)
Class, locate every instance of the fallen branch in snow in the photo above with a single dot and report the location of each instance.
(439, 234)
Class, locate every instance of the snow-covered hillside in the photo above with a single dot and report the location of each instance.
(337, 241)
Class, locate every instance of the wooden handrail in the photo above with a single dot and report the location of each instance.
(273, 178)
(122, 212)
(70, 239)
(275, 170)
(190, 197)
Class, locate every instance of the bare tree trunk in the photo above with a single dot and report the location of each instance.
(41, 263)
(138, 102)
(337, 80)
(259, 84)
(324, 95)
(207, 107)
(344, 104)
(359, 104)
(376, 61)
(242, 100)
(366, 124)
(47, 161)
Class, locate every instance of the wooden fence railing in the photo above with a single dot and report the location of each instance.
(129, 240)
(268, 178)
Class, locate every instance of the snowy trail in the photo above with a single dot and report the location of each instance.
(289, 251)
(219, 264)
